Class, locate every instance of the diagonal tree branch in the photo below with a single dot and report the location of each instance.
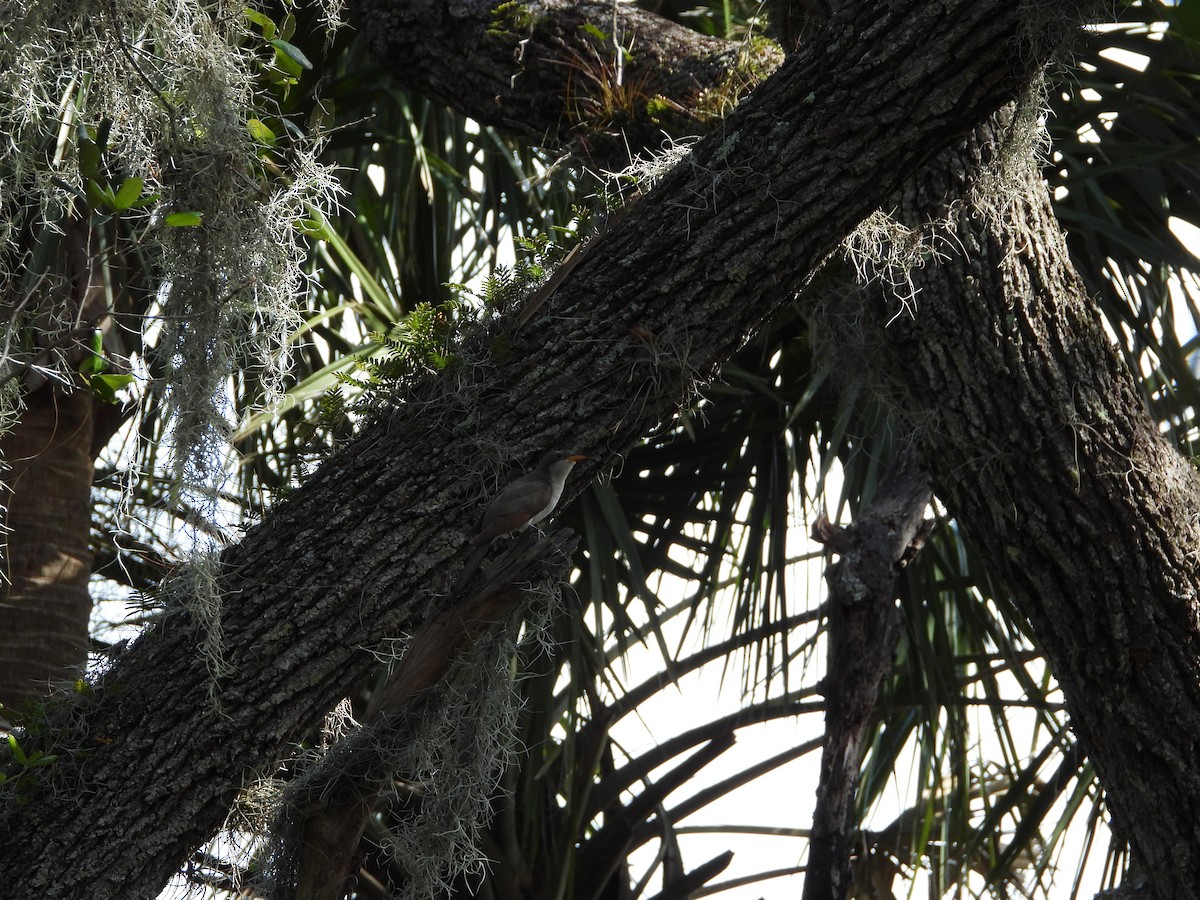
(358, 553)
(554, 71)
(325, 815)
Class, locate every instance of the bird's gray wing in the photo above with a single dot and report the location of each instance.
(514, 507)
(528, 495)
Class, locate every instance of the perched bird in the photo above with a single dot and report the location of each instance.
(527, 501)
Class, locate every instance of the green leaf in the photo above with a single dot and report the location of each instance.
(261, 132)
(324, 114)
(279, 77)
(17, 752)
(1186, 18)
(146, 200)
(595, 32)
(313, 227)
(98, 195)
(93, 363)
(292, 52)
(89, 158)
(127, 194)
(370, 284)
(105, 387)
(184, 219)
(262, 21)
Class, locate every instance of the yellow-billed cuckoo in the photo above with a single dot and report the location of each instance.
(527, 501)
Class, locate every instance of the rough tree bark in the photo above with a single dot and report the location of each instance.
(1038, 442)
(534, 70)
(357, 554)
(566, 93)
(322, 820)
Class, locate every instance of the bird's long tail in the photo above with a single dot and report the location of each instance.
(472, 564)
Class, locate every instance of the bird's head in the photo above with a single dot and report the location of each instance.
(560, 456)
(560, 462)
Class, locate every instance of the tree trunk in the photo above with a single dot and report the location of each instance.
(1039, 443)
(45, 487)
(148, 765)
(44, 600)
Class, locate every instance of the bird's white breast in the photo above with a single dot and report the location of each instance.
(558, 478)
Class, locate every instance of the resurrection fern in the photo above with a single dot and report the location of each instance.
(539, 255)
(419, 345)
(435, 339)
(510, 19)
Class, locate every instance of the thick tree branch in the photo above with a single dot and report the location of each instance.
(1038, 442)
(356, 555)
(321, 836)
(551, 71)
